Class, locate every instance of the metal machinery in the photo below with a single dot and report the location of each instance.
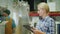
(23, 17)
(19, 12)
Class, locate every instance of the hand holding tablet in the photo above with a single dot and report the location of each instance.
(28, 27)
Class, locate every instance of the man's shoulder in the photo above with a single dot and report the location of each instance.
(50, 19)
(10, 18)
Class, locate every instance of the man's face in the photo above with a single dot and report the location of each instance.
(4, 14)
(41, 11)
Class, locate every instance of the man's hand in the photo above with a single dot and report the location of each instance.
(14, 30)
(36, 31)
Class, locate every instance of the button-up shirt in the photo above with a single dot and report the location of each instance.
(46, 25)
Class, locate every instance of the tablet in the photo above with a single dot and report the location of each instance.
(28, 27)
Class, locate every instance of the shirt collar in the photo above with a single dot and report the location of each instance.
(45, 18)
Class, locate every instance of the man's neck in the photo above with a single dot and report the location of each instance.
(44, 16)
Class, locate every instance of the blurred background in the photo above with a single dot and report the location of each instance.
(25, 12)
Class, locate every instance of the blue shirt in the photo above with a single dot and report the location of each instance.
(46, 25)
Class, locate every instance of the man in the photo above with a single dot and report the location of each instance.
(46, 24)
(10, 25)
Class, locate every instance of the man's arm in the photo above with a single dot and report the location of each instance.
(13, 26)
(51, 27)
(36, 31)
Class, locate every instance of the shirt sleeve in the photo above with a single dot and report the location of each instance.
(13, 24)
(51, 27)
